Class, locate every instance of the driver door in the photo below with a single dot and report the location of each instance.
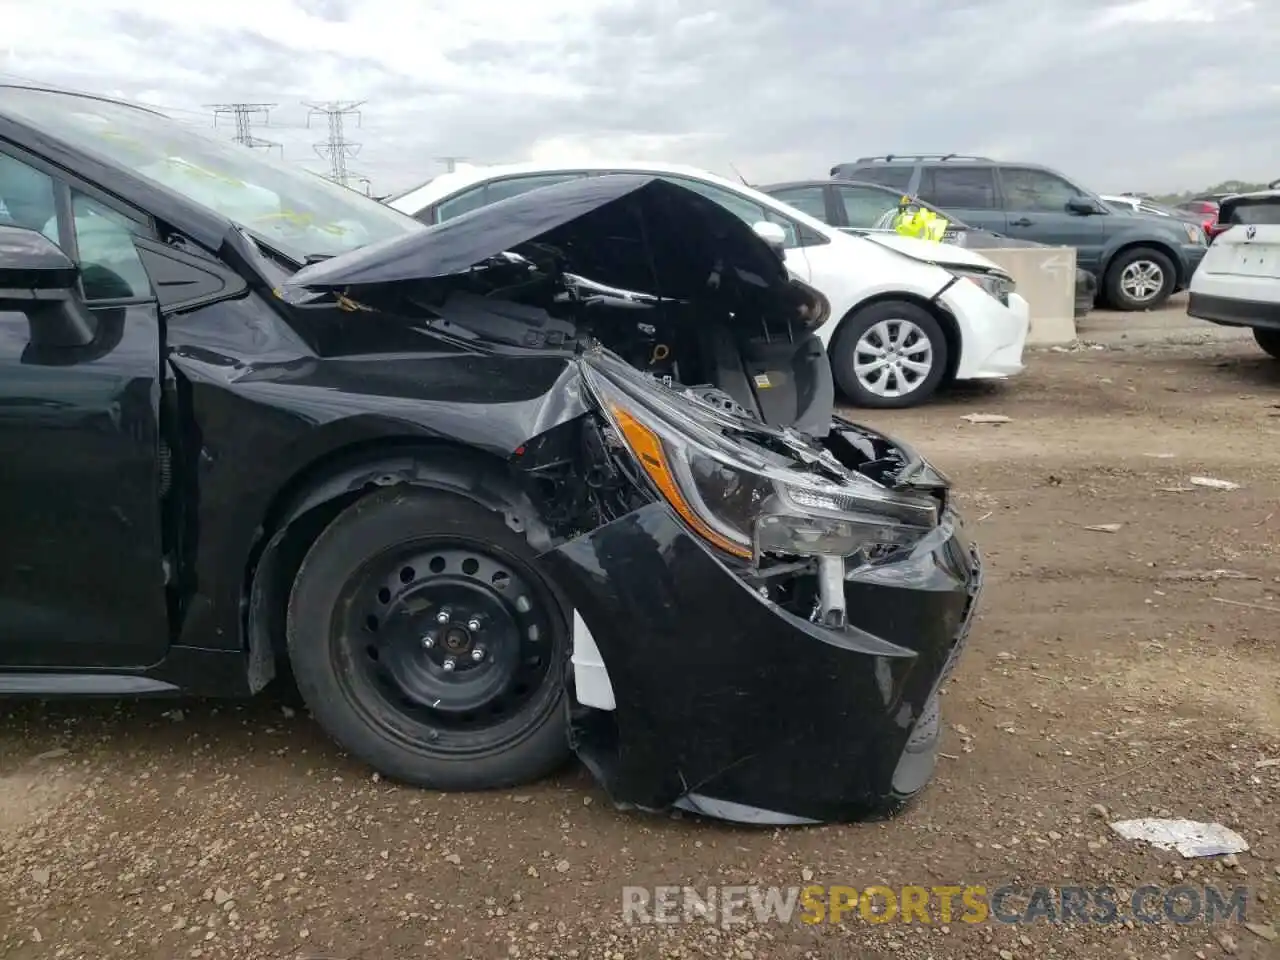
(1035, 204)
(81, 575)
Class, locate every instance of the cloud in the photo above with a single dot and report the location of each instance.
(1119, 94)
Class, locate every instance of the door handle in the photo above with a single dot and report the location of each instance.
(1020, 222)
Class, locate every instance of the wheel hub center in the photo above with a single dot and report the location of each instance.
(457, 639)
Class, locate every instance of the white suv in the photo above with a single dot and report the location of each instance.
(906, 315)
(1238, 282)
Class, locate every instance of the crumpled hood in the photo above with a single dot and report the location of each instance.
(943, 254)
(604, 222)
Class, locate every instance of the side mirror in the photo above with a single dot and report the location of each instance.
(772, 234)
(40, 280)
(31, 262)
(1082, 206)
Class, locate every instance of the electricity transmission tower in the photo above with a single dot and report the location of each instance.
(243, 114)
(337, 149)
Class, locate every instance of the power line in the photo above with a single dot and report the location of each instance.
(337, 149)
(243, 114)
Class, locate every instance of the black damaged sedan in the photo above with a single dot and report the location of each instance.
(560, 475)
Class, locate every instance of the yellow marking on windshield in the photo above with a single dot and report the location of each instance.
(188, 167)
(302, 219)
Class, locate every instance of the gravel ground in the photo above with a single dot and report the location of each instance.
(1102, 671)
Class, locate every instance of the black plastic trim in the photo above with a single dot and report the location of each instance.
(1230, 312)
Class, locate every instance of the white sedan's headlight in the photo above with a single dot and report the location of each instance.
(998, 285)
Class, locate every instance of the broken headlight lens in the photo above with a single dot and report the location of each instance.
(807, 536)
(745, 498)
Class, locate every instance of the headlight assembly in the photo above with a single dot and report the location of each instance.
(741, 488)
(719, 501)
(998, 285)
(1195, 233)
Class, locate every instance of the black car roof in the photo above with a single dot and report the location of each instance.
(73, 94)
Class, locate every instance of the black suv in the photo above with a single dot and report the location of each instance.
(1139, 260)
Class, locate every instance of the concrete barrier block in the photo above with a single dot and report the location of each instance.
(1046, 277)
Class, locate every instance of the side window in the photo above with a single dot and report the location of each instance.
(487, 193)
(895, 178)
(1036, 190)
(810, 200)
(959, 187)
(745, 209)
(863, 206)
(109, 263)
(26, 198)
(456, 206)
(514, 186)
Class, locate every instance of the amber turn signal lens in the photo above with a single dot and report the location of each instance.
(647, 447)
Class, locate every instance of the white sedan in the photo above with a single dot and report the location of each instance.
(906, 315)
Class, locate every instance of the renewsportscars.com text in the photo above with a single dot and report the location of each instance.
(971, 903)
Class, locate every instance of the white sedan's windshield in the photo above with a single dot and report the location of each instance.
(293, 209)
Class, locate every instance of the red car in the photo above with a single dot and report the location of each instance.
(1207, 208)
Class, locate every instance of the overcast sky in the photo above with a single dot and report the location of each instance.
(1119, 94)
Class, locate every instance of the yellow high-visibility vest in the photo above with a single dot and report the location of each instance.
(911, 221)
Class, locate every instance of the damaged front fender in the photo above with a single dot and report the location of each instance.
(280, 427)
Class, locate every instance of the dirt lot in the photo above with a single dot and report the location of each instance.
(1100, 672)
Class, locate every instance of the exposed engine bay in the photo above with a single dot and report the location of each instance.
(738, 351)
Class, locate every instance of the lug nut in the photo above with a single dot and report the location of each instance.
(443, 616)
(477, 654)
(473, 624)
(449, 664)
(428, 641)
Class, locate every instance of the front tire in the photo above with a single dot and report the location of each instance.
(1268, 340)
(426, 643)
(888, 355)
(1140, 279)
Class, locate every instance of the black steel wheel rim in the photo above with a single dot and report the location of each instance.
(447, 645)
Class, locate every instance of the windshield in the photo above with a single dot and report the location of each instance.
(291, 208)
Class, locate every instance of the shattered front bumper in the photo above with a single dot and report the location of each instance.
(724, 702)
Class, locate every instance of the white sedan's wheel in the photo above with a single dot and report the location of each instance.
(889, 354)
(892, 358)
